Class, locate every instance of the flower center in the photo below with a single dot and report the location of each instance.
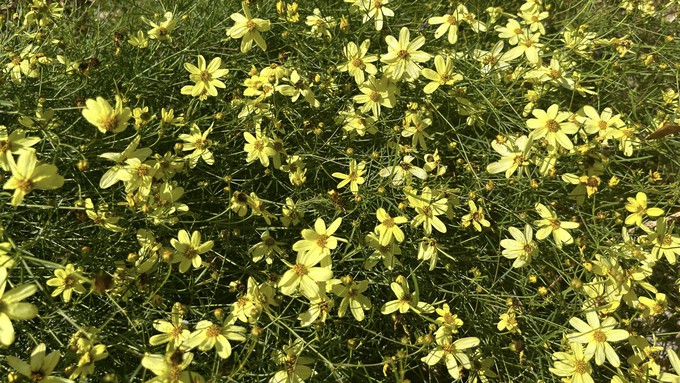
(555, 224)
(388, 222)
(109, 123)
(25, 186)
(191, 253)
(599, 336)
(375, 96)
(37, 376)
(603, 125)
(451, 20)
(300, 269)
(358, 62)
(213, 331)
(403, 54)
(552, 126)
(250, 25)
(321, 240)
(580, 367)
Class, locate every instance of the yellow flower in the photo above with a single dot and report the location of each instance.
(171, 368)
(320, 25)
(522, 248)
(174, 333)
(303, 276)
(405, 300)
(298, 87)
(388, 227)
(448, 322)
(447, 23)
(14, 143)
(638, 208)
(403, 55)
(376, 93)
(248, 28)
(354, 178)
(352, 298)
(574, 365)
(443, 76)
(549, 223)
(428, 210)
(40, 366)
(199, 143)
(258, 148)
(162, 30)
(552, 125)
(67, 281)
(656, 306)
(508, 321)
(320, 241)
(208, 335)
(188, 250)
(27, 175)
(358, 62)
(597, 335)
(475, 217)
(528, 46)
(387, 253)
(372, 9)
(515, 153)
(107, 119)
(605, 124)
(453, 354)
(294, 367)
(11, 307)
(205, 77)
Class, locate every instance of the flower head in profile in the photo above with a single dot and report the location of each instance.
(403, 56)
(171, 368)
(27, 176)
(11, 307)
(205, 78)
(107, 119)
(40, 367)
(161, 31)
(405, 299)
(248, 29)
